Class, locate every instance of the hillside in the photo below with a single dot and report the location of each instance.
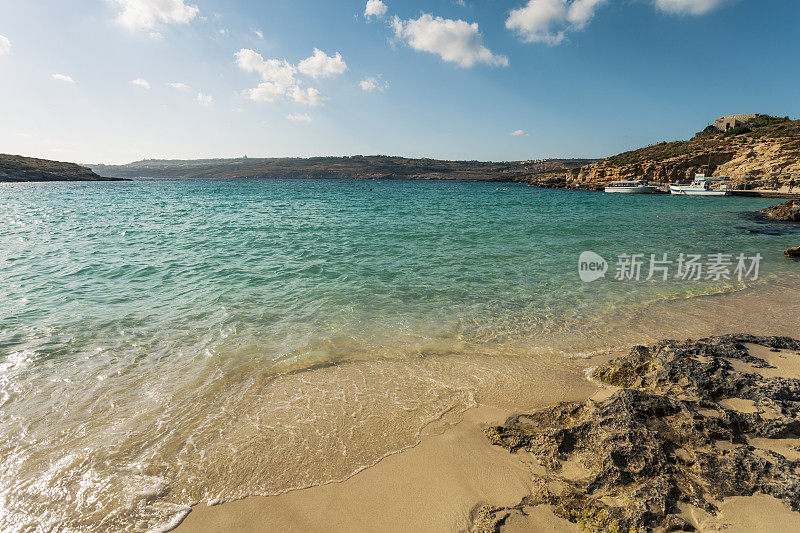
(15, 168)
(763, 152)
(354, 167)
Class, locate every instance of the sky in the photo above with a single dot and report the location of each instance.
(114, 81)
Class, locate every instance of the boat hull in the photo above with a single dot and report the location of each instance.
(631, 190)
(686, 191)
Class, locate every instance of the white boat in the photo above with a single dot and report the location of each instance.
(701, 186)
(631, 187)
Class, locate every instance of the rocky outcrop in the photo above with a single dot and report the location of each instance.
(19, 168)
(671, 435)
(766, 153)
(786, 212)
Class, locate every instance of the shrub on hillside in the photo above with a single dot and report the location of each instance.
(739, 130)
(766, 120)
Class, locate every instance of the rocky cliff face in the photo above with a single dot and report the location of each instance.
(764, 153)
(18, 168)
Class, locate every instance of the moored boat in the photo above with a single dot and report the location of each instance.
(631, 187)
(701, 186)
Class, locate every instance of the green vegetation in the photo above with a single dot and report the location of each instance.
(711, 140)
(738, 130)
(762, 121)
(19, 168)
(354, 167)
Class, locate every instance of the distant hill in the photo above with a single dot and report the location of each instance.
(765, 151)
(19, 168)
(354, 167)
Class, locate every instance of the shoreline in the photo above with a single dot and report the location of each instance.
(402, 475)
(436, 485)
(454, 475)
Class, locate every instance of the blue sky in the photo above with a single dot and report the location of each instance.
(120, 80)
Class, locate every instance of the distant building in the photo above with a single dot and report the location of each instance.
(727, 123)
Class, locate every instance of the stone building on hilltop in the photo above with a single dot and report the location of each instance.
(729, 122)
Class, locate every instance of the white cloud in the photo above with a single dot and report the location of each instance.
(581, 12)
(205, 99)
(266, 92)
(455, 41)
(548, 21)
(147, 14)
(309, 96)
(259, 34)
(518, 133)
(224, 32)
(320, 65)
(180, 86)
(139, 82)
(298, 117)
(5, 45)
(63, 77)
(372, 84)
(279, 72)
(375, 8)
(690, 7)
(278, 76)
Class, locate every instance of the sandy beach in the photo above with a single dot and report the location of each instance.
(434, 486)
(440, 483)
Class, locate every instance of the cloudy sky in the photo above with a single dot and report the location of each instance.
(121, 80)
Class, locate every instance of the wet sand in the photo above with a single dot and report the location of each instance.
(431, 487)
(434, 486)
(438, 484)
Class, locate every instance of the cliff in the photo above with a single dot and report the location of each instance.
(354, 167)
(17, 168)
(764, 152)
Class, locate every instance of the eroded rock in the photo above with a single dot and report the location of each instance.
(668, 436)
(785, 212)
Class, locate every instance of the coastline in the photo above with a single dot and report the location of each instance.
(353, 333)
(436, 485)
(439, 483)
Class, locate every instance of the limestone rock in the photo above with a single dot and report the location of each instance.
(786, 212)
(666, 437)
(767, 154)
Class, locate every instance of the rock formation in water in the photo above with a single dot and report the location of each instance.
(18, 168)
(786, 212)
(675, 433)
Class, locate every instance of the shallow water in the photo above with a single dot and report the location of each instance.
(169, 342)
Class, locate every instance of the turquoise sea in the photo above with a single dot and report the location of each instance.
(151, 329)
